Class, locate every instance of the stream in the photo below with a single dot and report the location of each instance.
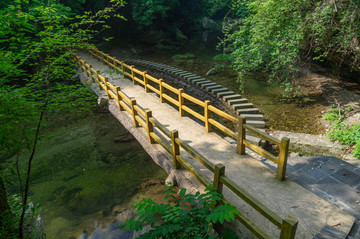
(84, 171)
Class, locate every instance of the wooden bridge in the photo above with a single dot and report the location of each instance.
(270, 205)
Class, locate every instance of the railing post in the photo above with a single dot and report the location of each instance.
(133, 74)
(149, 125)
(107, 87)
(81, 65)
(98, 55)
(207, 116)
(115, 64)
(219, 171)
(161, 89)
(146, 81)
(91, 73)
(175, 148)
(119, 98)
(103, 58)
(181, 102)
(283, 155)
(134, 113)
(122, 67)
(240, 148)
(98, 79)
(108, 59)
(85, 68)
(288, 228)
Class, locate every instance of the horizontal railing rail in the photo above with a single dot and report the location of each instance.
(144, 119)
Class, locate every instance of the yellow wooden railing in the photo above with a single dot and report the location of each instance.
(158, 86)
(144, 119)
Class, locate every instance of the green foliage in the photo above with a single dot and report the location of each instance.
(145, 12)
(185, 56)
(186, 216)
(334, 114)
(11, 220)
(36, 78)
(341, 131)
(223, 57)
(220, 66)
(356, 150)
(273, 36)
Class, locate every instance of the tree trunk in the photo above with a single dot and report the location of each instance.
(6, 216)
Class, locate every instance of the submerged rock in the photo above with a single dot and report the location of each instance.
(212, 71)
(124, 137)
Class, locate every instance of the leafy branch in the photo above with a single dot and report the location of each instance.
(185, 216)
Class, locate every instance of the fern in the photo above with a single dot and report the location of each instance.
(185, 216)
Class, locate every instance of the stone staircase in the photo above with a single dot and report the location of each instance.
(240, 105)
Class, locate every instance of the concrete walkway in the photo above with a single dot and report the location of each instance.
(332, 179)
(315, 214)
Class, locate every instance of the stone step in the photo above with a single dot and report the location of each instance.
(242, 106)
(232, 97)
(217, 90)
(224, 94)
(196, 79)
(170, 68)
(237, 101)
(209, 88)
(191, 78)
(208, 84)
(253, 116)
(200, 82)
(177, 72)
(248, 111)
(186, 74)
(256, 123)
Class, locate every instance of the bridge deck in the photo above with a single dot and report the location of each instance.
(284, 198)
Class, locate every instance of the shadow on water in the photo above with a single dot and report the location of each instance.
(83, 172)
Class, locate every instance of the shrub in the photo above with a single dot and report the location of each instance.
(185, 216)
(343, 132)
(223, 57)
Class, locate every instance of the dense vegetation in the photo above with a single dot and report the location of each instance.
(37, 87)
(276, 36)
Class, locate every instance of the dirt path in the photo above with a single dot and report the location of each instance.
(331, 88)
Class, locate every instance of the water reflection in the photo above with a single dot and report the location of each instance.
(83, 172)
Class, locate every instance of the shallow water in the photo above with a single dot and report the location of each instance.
(81, 173)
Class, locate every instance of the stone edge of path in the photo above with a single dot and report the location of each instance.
(315, 145)
(235, 101)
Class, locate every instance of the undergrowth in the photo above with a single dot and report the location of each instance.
(342, 131)
(185, 216)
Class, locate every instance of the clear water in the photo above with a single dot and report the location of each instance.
(81, 173)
